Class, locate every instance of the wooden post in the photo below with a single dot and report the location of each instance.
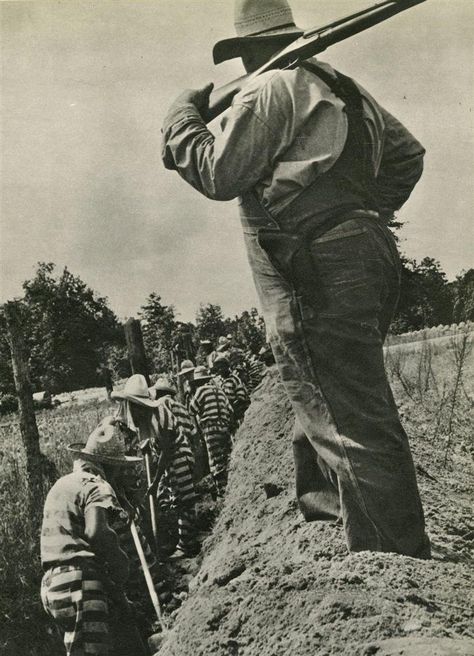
(136, 348)
(28, 426)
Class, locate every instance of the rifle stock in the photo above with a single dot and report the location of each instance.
(311, 43)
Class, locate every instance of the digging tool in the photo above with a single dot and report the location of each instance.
(311, 43)
(156, 638)
(145, 448)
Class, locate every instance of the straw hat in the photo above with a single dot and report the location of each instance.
(258, 21)
(136, 391)
(105, 445)
(164, 385)
(201, 374)
(223, 344)
(186, 367)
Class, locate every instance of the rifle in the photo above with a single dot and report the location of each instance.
(311, 43)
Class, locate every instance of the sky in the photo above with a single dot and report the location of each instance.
(85, 88)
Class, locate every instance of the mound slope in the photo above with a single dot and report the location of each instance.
(272, 585)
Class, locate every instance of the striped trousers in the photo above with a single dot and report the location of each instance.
(218, 443)
(176, 490)
(78, 603)
(177, 483)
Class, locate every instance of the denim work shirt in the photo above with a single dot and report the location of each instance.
(285, 128)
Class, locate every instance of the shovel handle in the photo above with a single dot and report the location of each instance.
(151, 501)
(146, 571)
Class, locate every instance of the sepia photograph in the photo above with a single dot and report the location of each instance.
(236, 328)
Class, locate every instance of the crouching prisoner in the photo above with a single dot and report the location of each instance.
(86, 571)
(320, 167)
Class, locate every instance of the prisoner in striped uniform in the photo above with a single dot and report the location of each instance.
(233, 387)
(213, 412)
(173, 479)
(181, 491)
(256, 371)
(85, 569)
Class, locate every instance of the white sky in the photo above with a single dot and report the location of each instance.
(85, 87)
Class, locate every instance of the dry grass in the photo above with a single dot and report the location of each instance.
(25, 628)
(433, 386)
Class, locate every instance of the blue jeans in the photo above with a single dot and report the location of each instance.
(327, 308)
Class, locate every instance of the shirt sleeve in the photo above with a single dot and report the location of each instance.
(194, 406)
(225, 166)
(401, 164)
(99, 494)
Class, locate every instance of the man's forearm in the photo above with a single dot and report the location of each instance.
(188, 147)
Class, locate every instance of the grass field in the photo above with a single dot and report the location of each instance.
(433, 387)
(24, 626)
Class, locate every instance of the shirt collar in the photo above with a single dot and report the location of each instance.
(89, 467)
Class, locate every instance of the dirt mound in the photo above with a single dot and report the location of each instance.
(272, 585)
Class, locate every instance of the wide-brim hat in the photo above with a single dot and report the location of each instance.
(260, 22)
(223, 344)
(104, 445)
(201, 374)
(186, 367)
(163, 385)
(135, 391)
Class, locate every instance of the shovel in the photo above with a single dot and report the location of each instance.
(156, 639)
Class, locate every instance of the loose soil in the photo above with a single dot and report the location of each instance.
(270, 584)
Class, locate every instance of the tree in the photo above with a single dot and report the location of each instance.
(425, 297)
(250, 330)
(68, 329)
(463, 296)
(158, 327)
(210, 322)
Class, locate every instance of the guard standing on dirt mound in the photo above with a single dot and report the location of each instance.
(320, 168)
(85, 569)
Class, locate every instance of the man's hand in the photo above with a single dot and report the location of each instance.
(197, 97)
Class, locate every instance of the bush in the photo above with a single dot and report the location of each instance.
(8, 403)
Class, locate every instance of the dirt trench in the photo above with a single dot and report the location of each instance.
(272, 585)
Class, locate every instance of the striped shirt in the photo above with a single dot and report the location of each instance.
(186, 427)
(256, 372)
(68, 501)
(235, 391)
(163, 420)
(211, 406)
(241, 394)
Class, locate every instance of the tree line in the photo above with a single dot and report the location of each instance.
(71, 333)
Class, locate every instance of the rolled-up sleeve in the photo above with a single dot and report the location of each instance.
(401, 165)
(221, 167)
